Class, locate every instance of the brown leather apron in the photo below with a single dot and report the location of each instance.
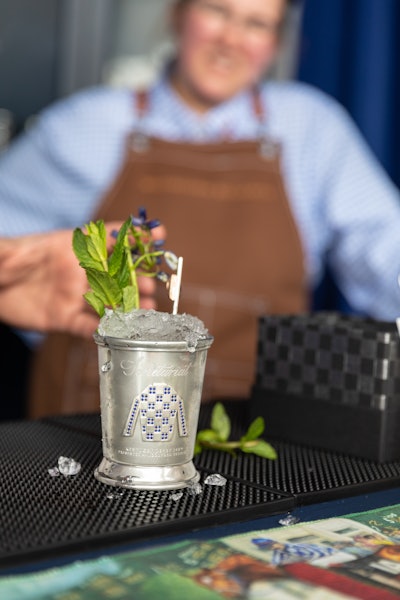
(226, 212)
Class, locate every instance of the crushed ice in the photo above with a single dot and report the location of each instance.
(175, 496)
(114, 495)
(289, 520)
(54, 472)
(215, 479)
(194, 489)
(66, 466)
(152, 325)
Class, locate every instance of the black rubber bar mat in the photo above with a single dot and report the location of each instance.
(43, 516)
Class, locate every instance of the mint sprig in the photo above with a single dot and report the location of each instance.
(217, 437)
(113, 276)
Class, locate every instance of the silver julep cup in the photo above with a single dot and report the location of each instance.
(150, 394)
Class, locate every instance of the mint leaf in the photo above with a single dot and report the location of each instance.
(117, 257)
(129, 298)
(123, 276)
(97, 242)
(220, 422)
(95, 303)
(113, 276)
(105, 287)
(94, 250)
(207, 435)
(80, 245)
(217, 438)
(197, 448)
(259, 447)
(255, 429)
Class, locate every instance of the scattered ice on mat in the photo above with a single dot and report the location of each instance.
(68, 466)
(195, 489)
(54, 472)
(289, 520)
(215, 479)
(114, 495)
(175, 496)
(151, 325)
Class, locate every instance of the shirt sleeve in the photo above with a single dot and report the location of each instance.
(54, 175)
(361, 212)
(346, 206)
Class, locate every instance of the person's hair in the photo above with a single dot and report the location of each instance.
(182, 2)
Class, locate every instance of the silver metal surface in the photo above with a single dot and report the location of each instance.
(147, 478)
(150, 396)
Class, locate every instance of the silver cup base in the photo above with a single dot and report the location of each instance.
(146, 477)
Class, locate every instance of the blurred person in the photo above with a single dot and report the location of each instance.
(41, 288)
(42, 285)
(259, 183)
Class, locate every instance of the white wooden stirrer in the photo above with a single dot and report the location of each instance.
(175, 286)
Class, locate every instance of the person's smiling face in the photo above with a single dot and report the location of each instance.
(224, 46)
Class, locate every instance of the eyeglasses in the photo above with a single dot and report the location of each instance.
(253, 27)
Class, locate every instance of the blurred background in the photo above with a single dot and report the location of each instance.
(52, 48)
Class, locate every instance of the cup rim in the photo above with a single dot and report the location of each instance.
(156, 345)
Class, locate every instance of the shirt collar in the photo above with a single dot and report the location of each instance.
(215, 124)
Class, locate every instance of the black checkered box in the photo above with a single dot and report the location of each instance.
(330, 379)
(330, 357)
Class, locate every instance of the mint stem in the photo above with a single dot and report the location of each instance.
(146, 257)
(220, 445)
(132, 272)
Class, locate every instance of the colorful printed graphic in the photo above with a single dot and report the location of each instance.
(357, 556)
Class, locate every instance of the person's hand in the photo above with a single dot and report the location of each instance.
(42, 284)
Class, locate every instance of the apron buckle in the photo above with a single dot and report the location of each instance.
(140, 142)
(268, 148)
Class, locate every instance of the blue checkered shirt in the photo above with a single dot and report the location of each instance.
(346, 207)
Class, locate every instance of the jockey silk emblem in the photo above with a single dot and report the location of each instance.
(157, 409)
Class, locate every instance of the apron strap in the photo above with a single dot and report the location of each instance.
(140, 141)
(142, 102)
(258, 106)
(268, 147)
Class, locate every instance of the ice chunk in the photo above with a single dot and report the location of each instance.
(68, 466)
(175, 496)
(152, 325)
(215, 479)
(54, 472)
(195, 489)
(289, 520)
(114, 495)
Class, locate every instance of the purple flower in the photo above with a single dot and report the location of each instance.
(142, 221)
